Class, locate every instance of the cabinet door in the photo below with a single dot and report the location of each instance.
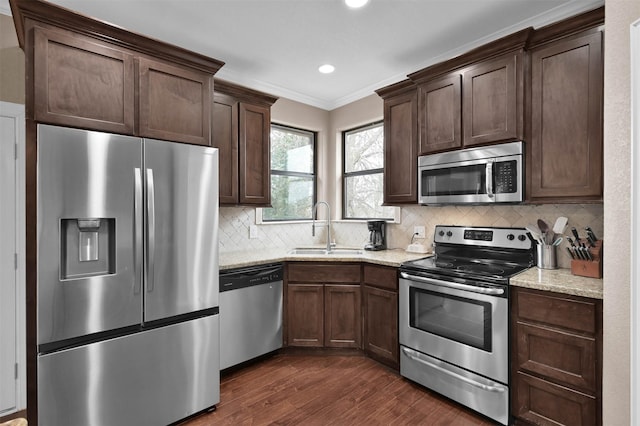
(440, 114)
(255, 158)
(342, 316)
(224, 136)
(305, 315)
(400, 149)
(566, 119)
(381, 325)
(492, 100)
(175, 103)
(80, 82)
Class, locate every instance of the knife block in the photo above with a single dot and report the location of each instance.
(589, 268)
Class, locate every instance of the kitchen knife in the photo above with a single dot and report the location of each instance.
(573, 256)
(591, 234)
(575, 234)
(575, 249)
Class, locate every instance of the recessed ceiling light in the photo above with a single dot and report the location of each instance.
(354, 4)
(326, 69)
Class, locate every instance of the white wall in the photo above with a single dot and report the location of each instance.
(619, 14)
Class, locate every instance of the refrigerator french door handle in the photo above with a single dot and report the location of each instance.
(137, 229)
(151, 230)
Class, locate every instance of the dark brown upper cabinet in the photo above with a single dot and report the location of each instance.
(400, 143)
(82, 82)
(566, 142)
(175, 103)
(492, 104)
(440, 113)
(473, 99)
(241, 132)
(92, 75)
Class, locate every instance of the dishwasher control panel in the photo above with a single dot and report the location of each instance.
(247, 277)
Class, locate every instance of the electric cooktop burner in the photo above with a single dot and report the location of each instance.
(491, 254)
(480, 268)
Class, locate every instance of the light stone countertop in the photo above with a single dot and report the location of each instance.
(239, 259)
(559, 281)
(556, 280)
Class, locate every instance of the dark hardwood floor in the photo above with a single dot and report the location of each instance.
(320, 388)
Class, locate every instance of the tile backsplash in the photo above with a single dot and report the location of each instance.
(235, 222)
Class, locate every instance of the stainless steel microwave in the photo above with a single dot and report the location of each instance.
(482, 175)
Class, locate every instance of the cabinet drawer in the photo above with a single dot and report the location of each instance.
(557, 310)
(324, 272)
(563, 357)
(380, 276)
(544, 403)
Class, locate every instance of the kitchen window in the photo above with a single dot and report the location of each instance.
(362, 173)
(293, 174)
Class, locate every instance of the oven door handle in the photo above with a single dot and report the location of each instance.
(488, 388)
(457, 286)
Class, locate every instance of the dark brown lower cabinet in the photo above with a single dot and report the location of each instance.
(380, 309)
(305, 315)
(381, 325)
(544, 403)
(323, 305)
(556, 358)
(342, 316)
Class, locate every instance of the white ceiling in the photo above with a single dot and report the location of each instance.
(277, 45)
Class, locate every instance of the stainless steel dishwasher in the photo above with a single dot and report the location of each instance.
(250, 313)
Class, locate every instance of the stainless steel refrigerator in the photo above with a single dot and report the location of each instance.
(127, 292)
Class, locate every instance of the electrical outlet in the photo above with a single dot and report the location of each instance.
(253, 231)
(418, 232)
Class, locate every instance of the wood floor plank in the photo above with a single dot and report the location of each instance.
(309, 388)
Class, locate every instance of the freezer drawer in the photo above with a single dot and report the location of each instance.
(154, 377)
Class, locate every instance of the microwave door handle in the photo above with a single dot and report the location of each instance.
(489, 178)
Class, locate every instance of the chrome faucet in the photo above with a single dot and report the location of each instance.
(327, 224)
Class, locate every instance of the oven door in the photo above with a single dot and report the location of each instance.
(456, 322)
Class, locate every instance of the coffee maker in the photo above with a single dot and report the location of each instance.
(377, 239)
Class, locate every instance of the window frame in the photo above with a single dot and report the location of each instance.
(345, 174)
(313, 175)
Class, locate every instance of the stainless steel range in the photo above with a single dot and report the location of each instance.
(454, 315)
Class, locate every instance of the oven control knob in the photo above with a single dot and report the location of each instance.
(510, 237)
(449, 233)
(522, 237)
(441, 233)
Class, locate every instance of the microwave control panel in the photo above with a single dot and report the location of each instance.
(506, 177)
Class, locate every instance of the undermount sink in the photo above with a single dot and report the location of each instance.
(323, 251)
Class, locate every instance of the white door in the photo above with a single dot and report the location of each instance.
(11, 249)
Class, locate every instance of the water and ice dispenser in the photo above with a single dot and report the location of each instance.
(87, 247)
